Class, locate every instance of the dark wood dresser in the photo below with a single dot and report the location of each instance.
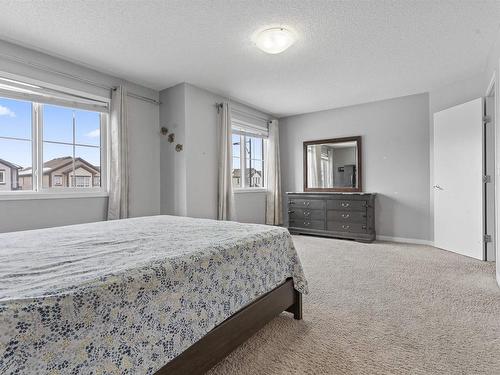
(342, 215)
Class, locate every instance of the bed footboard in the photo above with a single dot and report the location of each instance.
(235, 330)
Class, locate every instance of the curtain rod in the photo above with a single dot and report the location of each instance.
(48, 69)
(219, 105)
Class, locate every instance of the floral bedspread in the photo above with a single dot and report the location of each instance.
(127, 296)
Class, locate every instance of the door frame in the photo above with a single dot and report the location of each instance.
(491, 90)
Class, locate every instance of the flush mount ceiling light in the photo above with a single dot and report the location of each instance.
(274, 40)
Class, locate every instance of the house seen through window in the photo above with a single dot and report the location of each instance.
(248, 161)
(63, 144)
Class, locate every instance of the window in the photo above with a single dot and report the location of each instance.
(250, 132)
(51, 143)
(16, 147)
(248, 161)
(2, 177)
(236, 170)
(71, 145)
(80, 181)
(57, 181)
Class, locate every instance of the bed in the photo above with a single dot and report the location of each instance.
(151, 295)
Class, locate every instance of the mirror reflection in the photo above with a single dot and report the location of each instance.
(332, 165)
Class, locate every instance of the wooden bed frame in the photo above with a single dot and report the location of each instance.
(235, 330)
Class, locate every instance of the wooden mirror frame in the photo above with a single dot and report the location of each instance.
(359, 170)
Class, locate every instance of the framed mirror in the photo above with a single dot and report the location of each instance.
(333, 165)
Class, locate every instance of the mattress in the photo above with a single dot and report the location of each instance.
(127, 296)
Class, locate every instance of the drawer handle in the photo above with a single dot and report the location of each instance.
(345, 204)
(291, 211)
(345, 226)
(306, 223)
(363, 227)
(307, 213)
(346, 216)
(307, 203)
(291, 202)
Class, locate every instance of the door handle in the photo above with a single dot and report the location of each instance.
(437, 187)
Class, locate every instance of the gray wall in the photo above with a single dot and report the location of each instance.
(457, 93)
(202, 149)
(144, 148)
(173, 164)
(189, 178)
(395, 138)
(43, 213)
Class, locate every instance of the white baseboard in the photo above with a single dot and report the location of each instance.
(405, 240)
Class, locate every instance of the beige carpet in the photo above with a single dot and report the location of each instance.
(381, 308)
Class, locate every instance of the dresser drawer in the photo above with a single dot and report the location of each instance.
(347, 204)
(332, 214)
(347, 227)
(346, 216)
(301, 213)
(313, 204)
(306, 223)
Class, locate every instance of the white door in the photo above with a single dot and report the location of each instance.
(458, 179)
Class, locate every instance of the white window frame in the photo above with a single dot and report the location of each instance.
(75, 181)
(2, 178)
(38, 192)
(243, 159)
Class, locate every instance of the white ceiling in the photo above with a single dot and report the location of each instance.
(348, 52)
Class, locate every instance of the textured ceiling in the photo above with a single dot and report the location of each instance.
(348, 52)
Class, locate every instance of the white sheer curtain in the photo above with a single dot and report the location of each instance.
(226, 209)
(329, 169)
(314, 176)
(118, 163)
(274, 209)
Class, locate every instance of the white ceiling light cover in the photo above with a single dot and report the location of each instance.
(274, 40)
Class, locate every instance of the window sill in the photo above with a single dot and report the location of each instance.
(17, 196)
(249, 190)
